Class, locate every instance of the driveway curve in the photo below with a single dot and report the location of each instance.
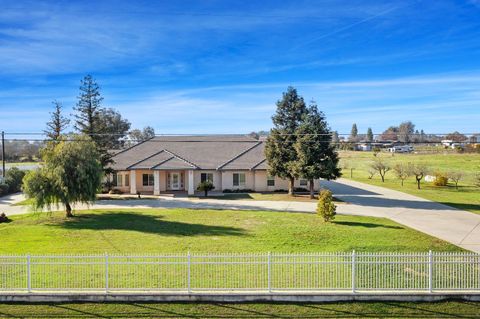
(456, 226)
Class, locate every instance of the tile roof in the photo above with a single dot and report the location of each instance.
(184, 152)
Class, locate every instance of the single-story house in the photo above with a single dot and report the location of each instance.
(179, 163)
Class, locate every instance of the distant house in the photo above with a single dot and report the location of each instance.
(366, 147)
(179, 163)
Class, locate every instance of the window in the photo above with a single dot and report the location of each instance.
(114, 179)
(147, 179)
(270, 181)
(120, 180)
(238, 179)
(206, 177)
(303, 182)
(127, 179)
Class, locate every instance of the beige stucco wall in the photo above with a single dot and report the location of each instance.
(227, 180)
(261, 183)
(123, 188)
(256, 180)
(217, 178)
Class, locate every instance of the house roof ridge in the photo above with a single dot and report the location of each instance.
(238, 155)
(254, 166)
(163, 162)
(146, 158)
(181, 158)
(130, 147)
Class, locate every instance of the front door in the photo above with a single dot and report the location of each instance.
(175, 181)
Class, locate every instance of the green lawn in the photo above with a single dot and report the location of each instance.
(450, 309)
(467, 197)
(182, 230)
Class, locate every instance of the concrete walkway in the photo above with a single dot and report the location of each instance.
(459, 227)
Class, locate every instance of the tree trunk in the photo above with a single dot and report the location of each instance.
(402, 182)
(291, 186)
(383, 178)
(311, 189)
(206, 193)
(68, 210)
(418, 183)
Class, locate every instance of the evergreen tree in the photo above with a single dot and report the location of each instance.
(354, 133)
(57, 123)
(317, 157)
(280, 144)
(88, 108)
(369, 135)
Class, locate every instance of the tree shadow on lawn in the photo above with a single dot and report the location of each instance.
(366, 225)
(147, 224)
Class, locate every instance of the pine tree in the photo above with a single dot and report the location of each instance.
(354, 133)
(57, 123)
(280, 144)
(317, 157)
(369, 135)
(88, 108)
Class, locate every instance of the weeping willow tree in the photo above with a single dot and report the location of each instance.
(71, 173)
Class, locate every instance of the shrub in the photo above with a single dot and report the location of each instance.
(115, 191)
(4, 218)
(3, 189)
(441, 179)
(280, 191)
(325, 207)
(13, 178)
(300, 190)
(244, 190)
(205, 187)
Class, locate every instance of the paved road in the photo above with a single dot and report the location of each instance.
(455, 226)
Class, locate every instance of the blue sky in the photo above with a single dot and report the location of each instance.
(219, 66)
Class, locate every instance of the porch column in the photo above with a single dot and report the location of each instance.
(191, 189)
(133, 182)
(156, 182)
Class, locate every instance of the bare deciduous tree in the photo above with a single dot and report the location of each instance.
(401, 172)
(455, 176)
(419, 171)
(380, 166)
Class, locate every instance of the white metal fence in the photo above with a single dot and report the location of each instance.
(347, 272)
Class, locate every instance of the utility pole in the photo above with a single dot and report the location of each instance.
(3, 154)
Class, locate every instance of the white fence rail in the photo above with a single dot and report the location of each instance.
(347, 272)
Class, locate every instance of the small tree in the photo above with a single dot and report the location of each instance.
(369, 135)
(58, 123)
(380, 166)
(205, 187)
(455, 176)
(353, 133)
(71, 173)
(419, 171)
(401, 172)
(325, 207)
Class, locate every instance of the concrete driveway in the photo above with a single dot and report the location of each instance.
(458, 227)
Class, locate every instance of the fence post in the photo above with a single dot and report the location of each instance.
(189, 264)
(354, 255)
(106, 273)
(269, 272)
(29, 274)
(430, 271)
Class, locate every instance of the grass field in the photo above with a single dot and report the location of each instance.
(451, 309)
(467, 197)
(182, 230)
